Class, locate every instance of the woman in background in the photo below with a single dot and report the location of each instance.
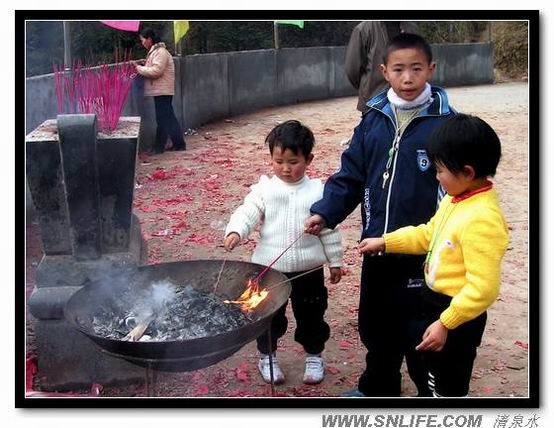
(159, 72)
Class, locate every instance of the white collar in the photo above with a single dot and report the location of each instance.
(296, 183)
(402, 104)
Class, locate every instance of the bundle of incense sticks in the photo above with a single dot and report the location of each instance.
(99, 90)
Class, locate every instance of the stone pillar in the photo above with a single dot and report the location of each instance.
(82, 184)
(77, 143)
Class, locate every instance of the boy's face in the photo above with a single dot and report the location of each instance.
(453, 184)
(407, 71)
(288, 166)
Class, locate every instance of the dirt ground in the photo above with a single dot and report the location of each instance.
(184, 199)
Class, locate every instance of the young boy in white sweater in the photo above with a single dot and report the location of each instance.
(282, 203)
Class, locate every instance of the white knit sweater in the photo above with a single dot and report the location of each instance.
(283, 207)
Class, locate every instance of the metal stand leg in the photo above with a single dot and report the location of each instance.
(154, 382)
(271, 363)
(147, 379)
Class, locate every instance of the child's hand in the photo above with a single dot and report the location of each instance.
(314, 225)
(231, 241)
(434, 337)
(336, 274)
(371, 246)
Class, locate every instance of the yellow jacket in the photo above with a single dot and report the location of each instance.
(465, 242)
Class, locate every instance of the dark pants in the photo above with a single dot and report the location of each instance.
(167, 124)
(309, 302)
(450, 369)
(390, 323)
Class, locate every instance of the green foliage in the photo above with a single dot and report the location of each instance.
(225, 36)
(511, 47)
(316, 33)
(453, 31)
(44, 46)
(94, 43)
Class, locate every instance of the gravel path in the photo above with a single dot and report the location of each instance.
(193, 193)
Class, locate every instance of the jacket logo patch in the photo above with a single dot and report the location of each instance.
(423, 161)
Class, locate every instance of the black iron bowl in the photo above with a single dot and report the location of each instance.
(185, 355)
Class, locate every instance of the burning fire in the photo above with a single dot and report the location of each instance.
(251, 297)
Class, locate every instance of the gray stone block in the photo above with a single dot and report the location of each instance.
(47, 303)
(69, 360)
(77, 136)
(66, 271)
(116, 182)
(45, 179)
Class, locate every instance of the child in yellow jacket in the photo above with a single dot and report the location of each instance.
(464, 242)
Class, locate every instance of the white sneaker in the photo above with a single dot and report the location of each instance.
(315, 370)
(263, 367)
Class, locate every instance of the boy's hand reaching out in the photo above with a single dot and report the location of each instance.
(314, 225)
(231, 241)
(371, 246)
(336, 274)
(434, 337)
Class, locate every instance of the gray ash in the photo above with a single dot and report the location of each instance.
(182, 313)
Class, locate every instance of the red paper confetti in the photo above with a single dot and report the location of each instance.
(333, 370)
(242, 372)
(159, 174)
(30, 371)
(201, 390)
(345, 344)
(521, 344)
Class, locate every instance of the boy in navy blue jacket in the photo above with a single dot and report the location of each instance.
(386, 169)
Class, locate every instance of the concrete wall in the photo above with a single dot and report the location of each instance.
(40, 100)
(215, 86)
(463, 64)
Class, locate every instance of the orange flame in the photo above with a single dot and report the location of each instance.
(251, 297)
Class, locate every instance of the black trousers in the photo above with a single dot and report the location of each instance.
(391, 323)
(167, 124)
(309, 303)
(450, 369)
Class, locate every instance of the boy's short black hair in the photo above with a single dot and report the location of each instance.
(462, 140)
(291, 135)
(407, 41)
(148, 33)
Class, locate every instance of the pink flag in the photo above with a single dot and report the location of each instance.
(123, 25)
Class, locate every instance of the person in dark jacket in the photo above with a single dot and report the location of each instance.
(364, 55)
(386, 169)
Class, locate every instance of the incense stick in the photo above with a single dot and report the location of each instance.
(219, 275)
(294, 277)
(277, 258)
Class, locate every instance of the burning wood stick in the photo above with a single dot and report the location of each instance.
(219, 275)
(136, 333)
